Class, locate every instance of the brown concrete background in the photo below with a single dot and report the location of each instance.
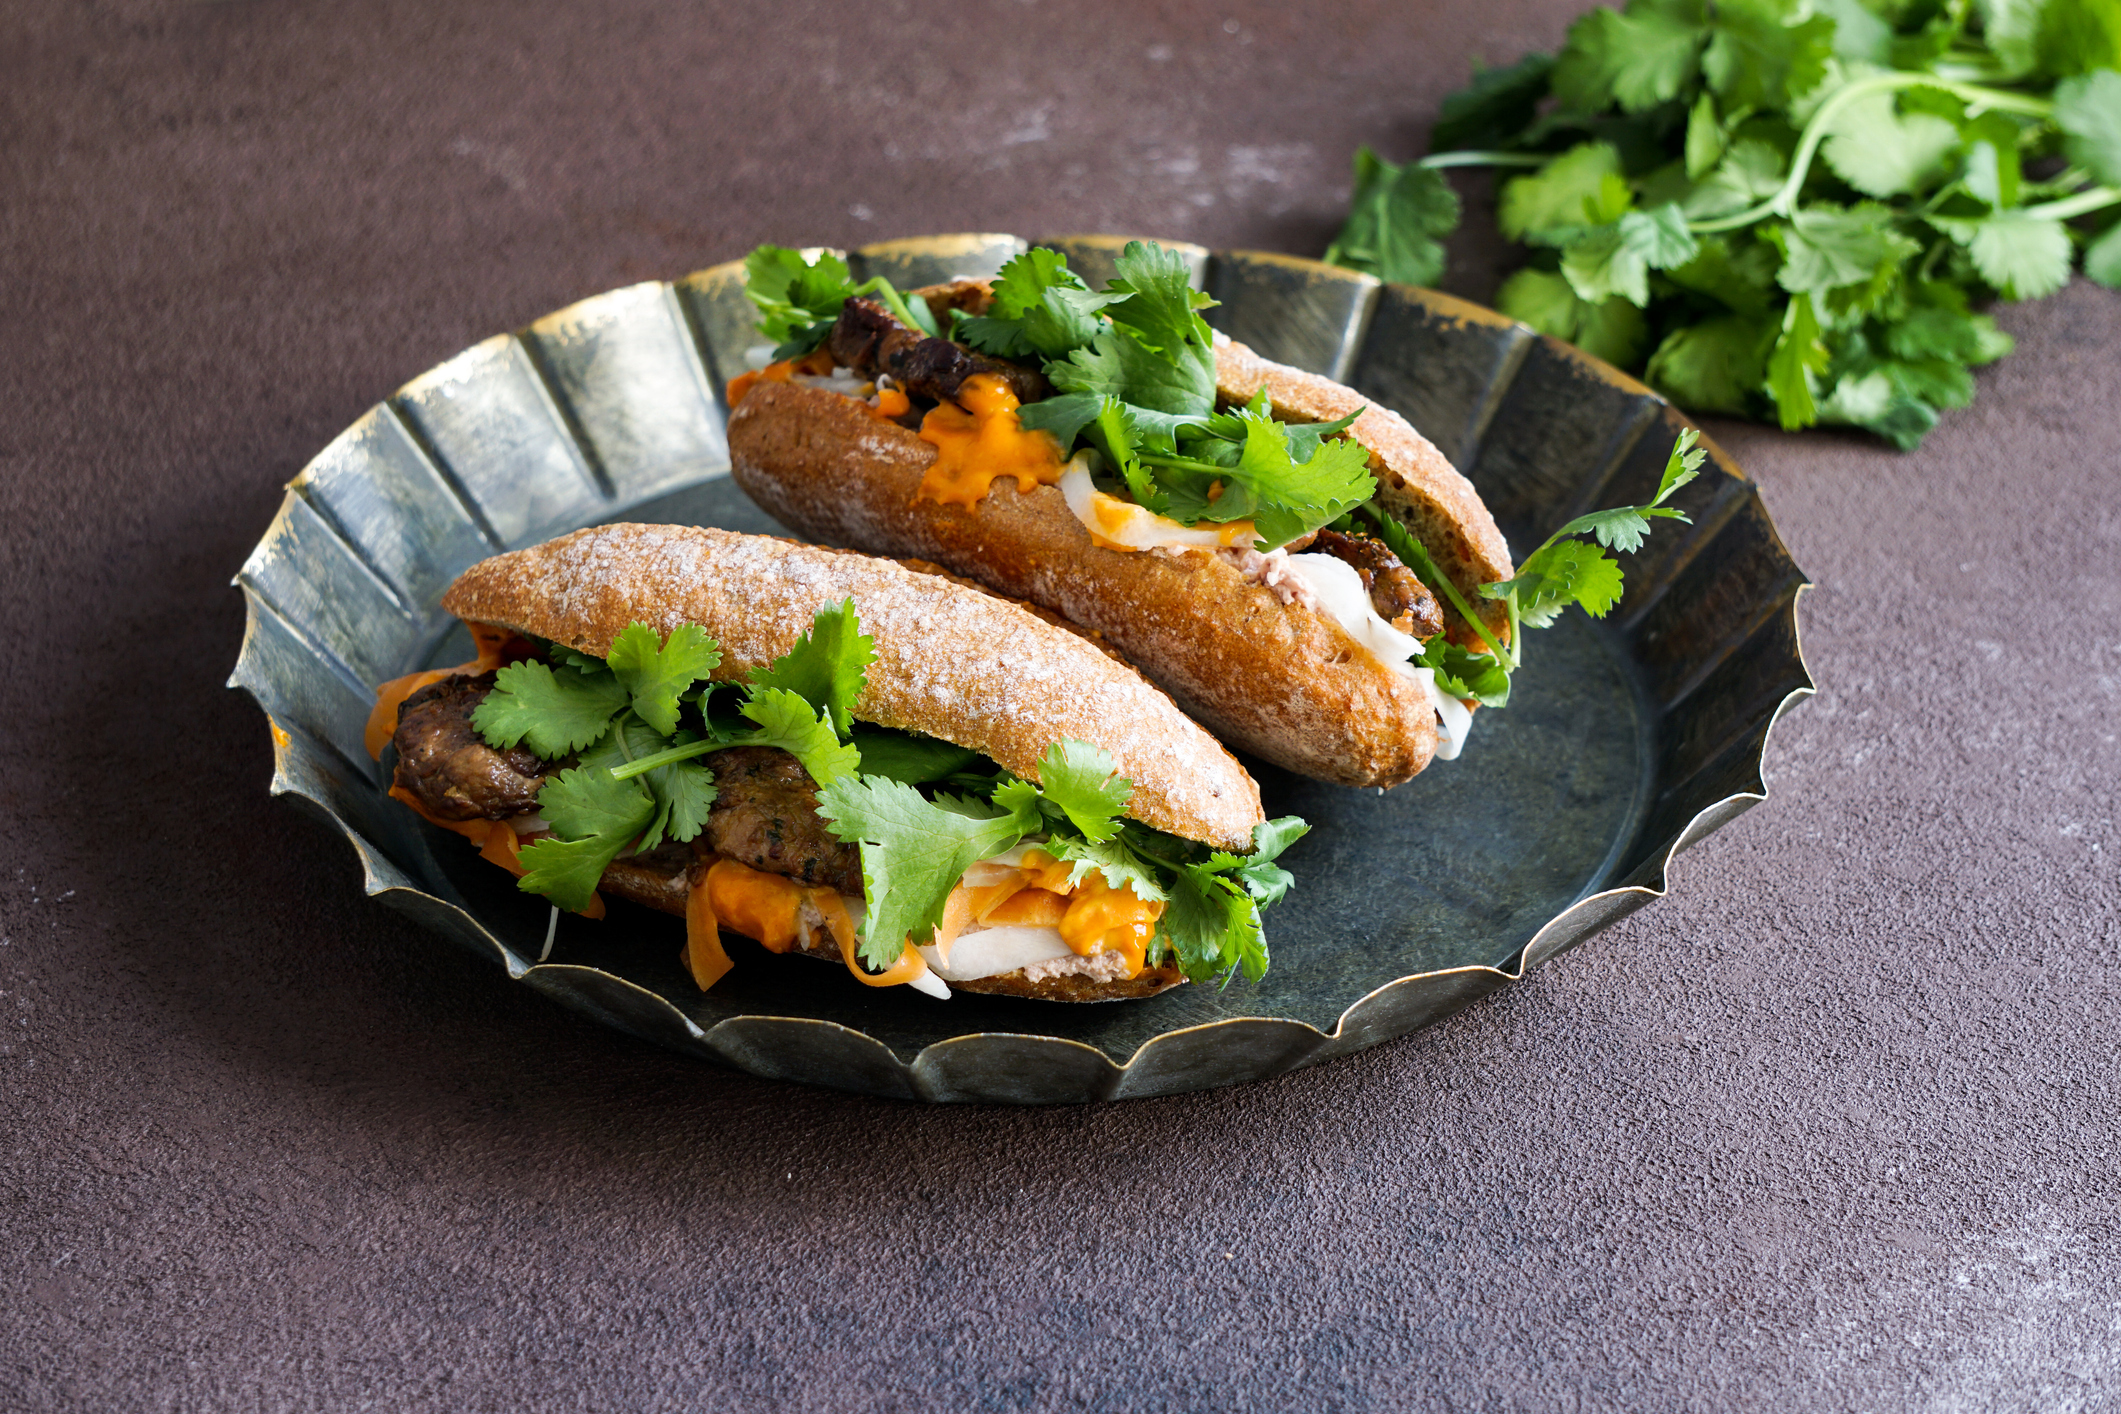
(1833, 1126)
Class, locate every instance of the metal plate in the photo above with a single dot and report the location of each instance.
(1627, 741)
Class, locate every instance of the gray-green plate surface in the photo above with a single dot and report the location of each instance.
(1626, 741)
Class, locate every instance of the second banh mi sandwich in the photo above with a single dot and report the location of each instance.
(1306, 574)
(1103, 454)
(842, 756)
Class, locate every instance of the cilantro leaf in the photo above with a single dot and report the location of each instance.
(1634, 60)
(1165, 309)
(2088, 110)
(798, 299)
(1751, 171)
(1290, 498)
(567, 871)
(913, 853)
(1659, 236)
(1064, 415)
(654, 675)
(596, 818)
(1946, 330)
(1828, 248)
(2102, 260)
(1465, 675)
(1570, 192)
(1079, 778)
(1714, 366)
(1881, 152)
(788, 721)
(554, 714)
(1682, 466)
(827, 667)
(1705, 138)
(1600, 265)
(1612, 329)
(903, 756)
(1396, 221)
(1040, 307)
(1494, 106)
(1122, 866)
(1213, 926)
(1758, 60)
(1799, 354)
(682, 790)
(1117, 364)
(1562, 573)
(2022, 255)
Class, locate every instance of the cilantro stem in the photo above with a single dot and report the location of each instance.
(1182, 463)
(1783, 202)
(896, 303)
(1437, 160)
(1406, 543)
(2078, 205)
(645, 764)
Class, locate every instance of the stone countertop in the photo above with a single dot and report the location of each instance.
(1833, 1125)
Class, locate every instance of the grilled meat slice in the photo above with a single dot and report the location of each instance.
(870, 341)
(447, 767)
(765, 815)
(1401, 600)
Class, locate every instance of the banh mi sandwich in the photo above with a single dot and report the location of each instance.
(836, 755)
(1307, 575)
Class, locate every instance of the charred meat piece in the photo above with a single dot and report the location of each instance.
(870, 341)
(452, 772)
(765, 815)
(1400, 599)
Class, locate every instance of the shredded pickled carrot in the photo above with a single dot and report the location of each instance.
(910, 963)
(503, 848)
(703, 956)
(766, 908)
(957, 912)
(1028, 908)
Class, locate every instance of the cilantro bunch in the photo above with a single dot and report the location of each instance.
(643, 722)
(1775, 208)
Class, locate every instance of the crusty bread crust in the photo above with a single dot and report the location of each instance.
(952, 662)
(1416, 482)
(665, 890)
(1277, 680)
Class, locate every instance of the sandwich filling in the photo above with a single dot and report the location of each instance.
(765, 808)
(1111, 396)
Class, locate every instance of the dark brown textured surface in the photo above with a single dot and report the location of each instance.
(1832, 1126)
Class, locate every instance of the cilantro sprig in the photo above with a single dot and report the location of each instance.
(1564, 570)
(799, 297)
(1783, 211)
(916, 847)
(1135, 370)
